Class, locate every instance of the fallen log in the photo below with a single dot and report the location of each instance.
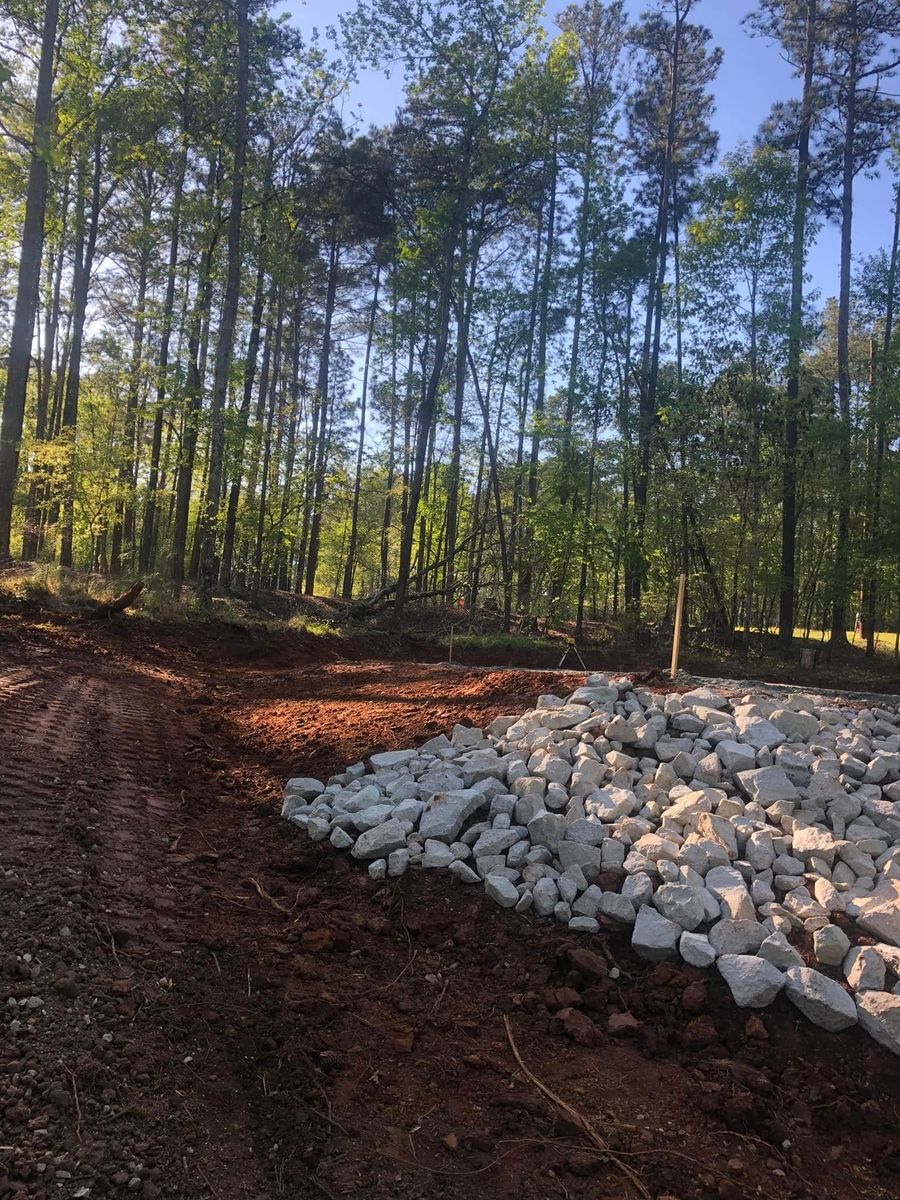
(120, 603)
(384, 596)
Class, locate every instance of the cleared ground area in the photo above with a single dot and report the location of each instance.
(198, 1003)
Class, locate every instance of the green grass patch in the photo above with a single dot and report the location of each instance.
(884, 642)
(53, 586)
(303, 623)
(512, 642)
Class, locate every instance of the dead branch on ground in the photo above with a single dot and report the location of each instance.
(120, 603)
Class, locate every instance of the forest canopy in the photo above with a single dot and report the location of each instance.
(536, 344)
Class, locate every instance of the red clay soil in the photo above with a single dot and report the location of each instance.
(197, 1002)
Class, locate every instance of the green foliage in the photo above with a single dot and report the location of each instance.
(578, 351)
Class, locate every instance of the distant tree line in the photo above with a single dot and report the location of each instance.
(531, 345)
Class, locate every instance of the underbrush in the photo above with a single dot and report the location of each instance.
(319, 625)
(49, 586)
(52, 586)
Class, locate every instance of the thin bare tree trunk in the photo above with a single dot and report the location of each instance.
(35, 514)
(148, 525)
(320, 421)
(787, 590)
(841, 581)
(249, 375)
(123, 527)
(267, 450)
(347, 590)
(86, 242)
(879, 399)
(194, 393)
(206, 574)
(391, 464)
(19, 359)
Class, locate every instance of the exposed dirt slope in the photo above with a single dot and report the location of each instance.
(228, 1011)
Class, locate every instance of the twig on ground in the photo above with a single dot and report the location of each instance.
(610, 958)
(71, 1075)
(264, 895)
(322, 1188)
(665, 1151)
(330, 1120)
(578, 1119)
(384, 987)
(233, 903)
(205, 1178)
(197, 829)
(112, 943)
(437, 1002)
(114, 1116)
(406, 1162)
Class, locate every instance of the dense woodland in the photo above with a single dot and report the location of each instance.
(535, 346)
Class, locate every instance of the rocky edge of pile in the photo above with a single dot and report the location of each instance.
(715, 830)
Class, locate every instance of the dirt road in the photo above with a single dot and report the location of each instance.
(196, 1002)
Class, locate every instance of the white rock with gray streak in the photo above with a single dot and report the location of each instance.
(381, 841)
(501, 891)
(864, 969)
(819, 998)
(879, 1016)
(754, 982)
(654, 936)
(446, 812)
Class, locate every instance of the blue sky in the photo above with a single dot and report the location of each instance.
(751, 77)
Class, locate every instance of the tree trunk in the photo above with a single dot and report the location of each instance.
(580, 266)
(347, 590)
(267, 450)
(194, 396)
(283, 554)
(148, 526)
(392, 440)
(879, 398)
(320, 421)
(495, 487)
(123, 528)
(841, 580)
(459, 385)
(588, 502)
(19, 358)
(37, 490)
(425, 413)
(519, 545)
(224, 348)
(653, 323)
(249, 374)
(84, 258)
(787, 588)
(525, 582)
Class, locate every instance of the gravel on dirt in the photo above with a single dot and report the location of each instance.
(226, 1012)
(613, 782)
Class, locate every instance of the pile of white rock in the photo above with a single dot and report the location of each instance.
(715, 829)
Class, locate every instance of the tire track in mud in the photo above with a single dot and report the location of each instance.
(41, 712)
(90, 756)
(97, 787)
(283, 1040)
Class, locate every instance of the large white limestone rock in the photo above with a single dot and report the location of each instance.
(819, 998)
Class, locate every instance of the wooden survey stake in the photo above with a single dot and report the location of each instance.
(679, 614)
